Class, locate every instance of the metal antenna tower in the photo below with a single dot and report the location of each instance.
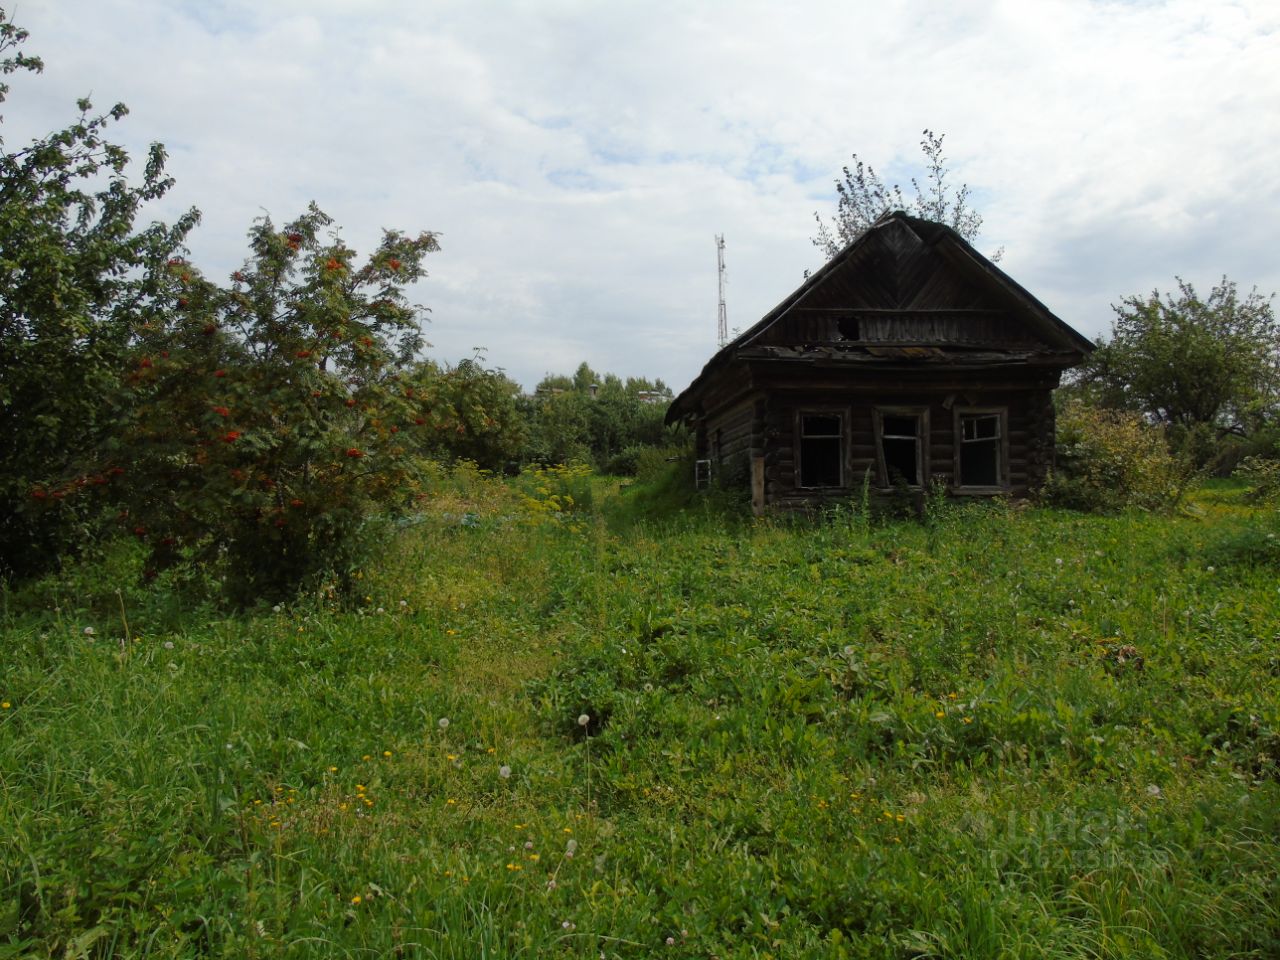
(722, 314)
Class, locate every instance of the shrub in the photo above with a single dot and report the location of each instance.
(73, 270)
(1263, 477)
(1112, 459)
(271, 420)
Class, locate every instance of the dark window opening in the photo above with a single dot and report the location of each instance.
(821, 450)
(900, 445)
(980, 447)
(849, 328)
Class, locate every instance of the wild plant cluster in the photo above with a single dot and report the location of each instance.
(543, 731)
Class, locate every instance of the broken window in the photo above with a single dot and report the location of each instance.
(981, 436)
(900, 438)
(849, 328)
(821, 449)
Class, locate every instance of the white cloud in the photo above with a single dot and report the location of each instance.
(577, 157)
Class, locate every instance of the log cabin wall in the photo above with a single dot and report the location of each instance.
(1026, 456)
(732, 437)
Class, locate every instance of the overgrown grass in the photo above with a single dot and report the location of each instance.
(1000, 733)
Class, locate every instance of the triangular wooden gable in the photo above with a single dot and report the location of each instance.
(912, 281)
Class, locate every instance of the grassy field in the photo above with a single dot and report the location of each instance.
(998, 733)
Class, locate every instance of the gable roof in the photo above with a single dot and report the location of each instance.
(899, 265)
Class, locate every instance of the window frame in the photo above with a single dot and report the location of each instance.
(1002, 467)
(843, 437)
(921, 414)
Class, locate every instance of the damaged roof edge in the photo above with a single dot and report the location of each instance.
(681, 406)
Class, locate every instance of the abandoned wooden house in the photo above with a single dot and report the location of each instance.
(908, 359)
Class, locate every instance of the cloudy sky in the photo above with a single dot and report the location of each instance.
(577, 158)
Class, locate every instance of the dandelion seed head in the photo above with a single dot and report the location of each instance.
(504, 771)
(89, 631)
(583, 719)
(443, 723)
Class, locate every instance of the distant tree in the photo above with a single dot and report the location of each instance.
(473, 412)
(594, 417)
(862, 198)
(76, 279)
(1188, 361)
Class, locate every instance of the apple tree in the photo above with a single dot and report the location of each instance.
(75, 275)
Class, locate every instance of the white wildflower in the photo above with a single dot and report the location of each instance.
(504, 771)
(583, 719)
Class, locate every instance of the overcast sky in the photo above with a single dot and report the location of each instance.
(577, 158)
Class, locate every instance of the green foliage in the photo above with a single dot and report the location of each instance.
(1113, 459)
(595, 419)
(1191, 362)
(1263, 477)
(273, 418)
(1009, 733)
(475, 414)
(75, 279)
(862, 198)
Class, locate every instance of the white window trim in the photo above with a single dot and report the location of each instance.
(1002, 468)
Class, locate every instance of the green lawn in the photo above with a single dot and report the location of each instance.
(1000, 733)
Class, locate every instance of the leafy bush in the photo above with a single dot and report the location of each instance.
(73, 275)
(271, 419)
(1263, 477)
(1112, 459)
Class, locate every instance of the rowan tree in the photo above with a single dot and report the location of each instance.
(273, 417)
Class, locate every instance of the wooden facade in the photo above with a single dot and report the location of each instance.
(908, 359)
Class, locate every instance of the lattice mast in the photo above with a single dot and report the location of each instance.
(722, 313)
